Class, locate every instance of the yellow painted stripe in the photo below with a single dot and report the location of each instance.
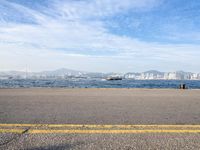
(108, 131)
(95, 131)
(124, 126)
(19, 131)
(98, 126)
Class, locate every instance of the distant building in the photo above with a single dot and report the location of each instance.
(171, 76)
(195, 76)
(129, 76)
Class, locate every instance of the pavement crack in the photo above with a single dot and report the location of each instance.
(14, 138)
(25, 131)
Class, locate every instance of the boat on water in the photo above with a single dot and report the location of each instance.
(113, 78)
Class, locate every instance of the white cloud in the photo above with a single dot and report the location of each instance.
(102, 8)
(74, 39)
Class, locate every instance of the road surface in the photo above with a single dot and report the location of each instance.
(99, 119)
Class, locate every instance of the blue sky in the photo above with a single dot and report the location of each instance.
(100, 35)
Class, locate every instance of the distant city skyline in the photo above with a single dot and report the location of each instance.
(100, 35)
(64, 73)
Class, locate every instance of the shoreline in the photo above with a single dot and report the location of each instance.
(88, 88)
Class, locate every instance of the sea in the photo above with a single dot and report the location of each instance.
(97, 83)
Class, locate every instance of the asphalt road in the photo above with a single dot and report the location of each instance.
(99, 107)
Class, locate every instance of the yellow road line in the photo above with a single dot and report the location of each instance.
(109, 131)
(95, 131)
(19, 131)
(98, 126)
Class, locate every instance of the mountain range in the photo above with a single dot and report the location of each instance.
(65, 71)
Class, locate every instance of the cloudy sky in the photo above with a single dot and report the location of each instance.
(100, 35)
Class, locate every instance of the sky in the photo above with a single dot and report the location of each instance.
(100, 35)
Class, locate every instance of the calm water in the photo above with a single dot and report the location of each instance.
(83, 83)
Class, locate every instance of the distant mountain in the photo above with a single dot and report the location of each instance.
(154, 72)
(13, 73)
(183, 72)
(134, 73)
(58, 72)
(62, 71)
